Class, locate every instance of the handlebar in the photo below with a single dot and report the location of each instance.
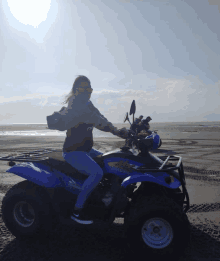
(132, 132)
(132, 137)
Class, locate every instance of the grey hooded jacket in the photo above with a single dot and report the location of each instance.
(79, 118)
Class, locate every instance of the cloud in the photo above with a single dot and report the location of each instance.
(15, 98)
(6, 116)
(100, 100)
(215, 2)
(171, 99)
(106, 91)
(41, 99)
(108, 101)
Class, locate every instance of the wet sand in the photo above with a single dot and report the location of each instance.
(199, 150)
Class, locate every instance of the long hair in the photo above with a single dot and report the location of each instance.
(78, 80)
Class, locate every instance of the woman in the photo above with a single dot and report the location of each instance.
(77, 148)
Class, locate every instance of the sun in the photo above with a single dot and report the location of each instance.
(29, 12)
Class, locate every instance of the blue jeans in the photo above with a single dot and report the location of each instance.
(83, 162)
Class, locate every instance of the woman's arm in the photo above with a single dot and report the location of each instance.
(74, 114)
(101, 123)
(78, 112)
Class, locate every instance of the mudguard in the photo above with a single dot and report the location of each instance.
(42, 176)
(158, 178)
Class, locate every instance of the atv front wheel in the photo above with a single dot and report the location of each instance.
(25, 212)
(160, 143)
(157, 227)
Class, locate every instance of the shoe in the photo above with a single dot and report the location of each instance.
(77, 216)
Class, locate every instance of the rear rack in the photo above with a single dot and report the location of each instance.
(33, 156)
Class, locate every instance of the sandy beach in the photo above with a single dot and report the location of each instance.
(199, 148)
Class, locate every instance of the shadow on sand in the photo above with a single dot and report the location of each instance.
(87, 243)
(71, 243)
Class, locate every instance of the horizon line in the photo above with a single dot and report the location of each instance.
(122, 122)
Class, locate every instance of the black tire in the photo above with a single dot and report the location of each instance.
(37, 212)
(167, 210)
(160, 143)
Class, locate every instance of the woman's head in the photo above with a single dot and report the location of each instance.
(81, 89)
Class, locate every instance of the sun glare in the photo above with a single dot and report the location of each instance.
(29, 12)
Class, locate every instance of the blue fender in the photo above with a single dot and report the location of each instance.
(158, 178)
(42, 176)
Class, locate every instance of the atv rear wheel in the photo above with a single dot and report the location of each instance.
(157, 227)
(25, 212)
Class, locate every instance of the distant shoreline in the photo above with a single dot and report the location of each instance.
(152, 122)
(171, 131)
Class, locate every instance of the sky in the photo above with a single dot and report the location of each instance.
(164, 54)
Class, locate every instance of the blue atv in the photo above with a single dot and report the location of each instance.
(147, 191)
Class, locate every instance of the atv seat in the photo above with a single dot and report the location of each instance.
(56, 161)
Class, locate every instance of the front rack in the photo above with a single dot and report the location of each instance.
(33, 156)
(179, 167)
(161, 168)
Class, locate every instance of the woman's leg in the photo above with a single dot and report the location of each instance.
(93, 153)
(85, 164)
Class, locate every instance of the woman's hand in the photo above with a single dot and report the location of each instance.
(115, 131)
(143, 134)
(123, 133)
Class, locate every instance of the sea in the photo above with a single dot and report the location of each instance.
(38, 129)
(41, 130)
